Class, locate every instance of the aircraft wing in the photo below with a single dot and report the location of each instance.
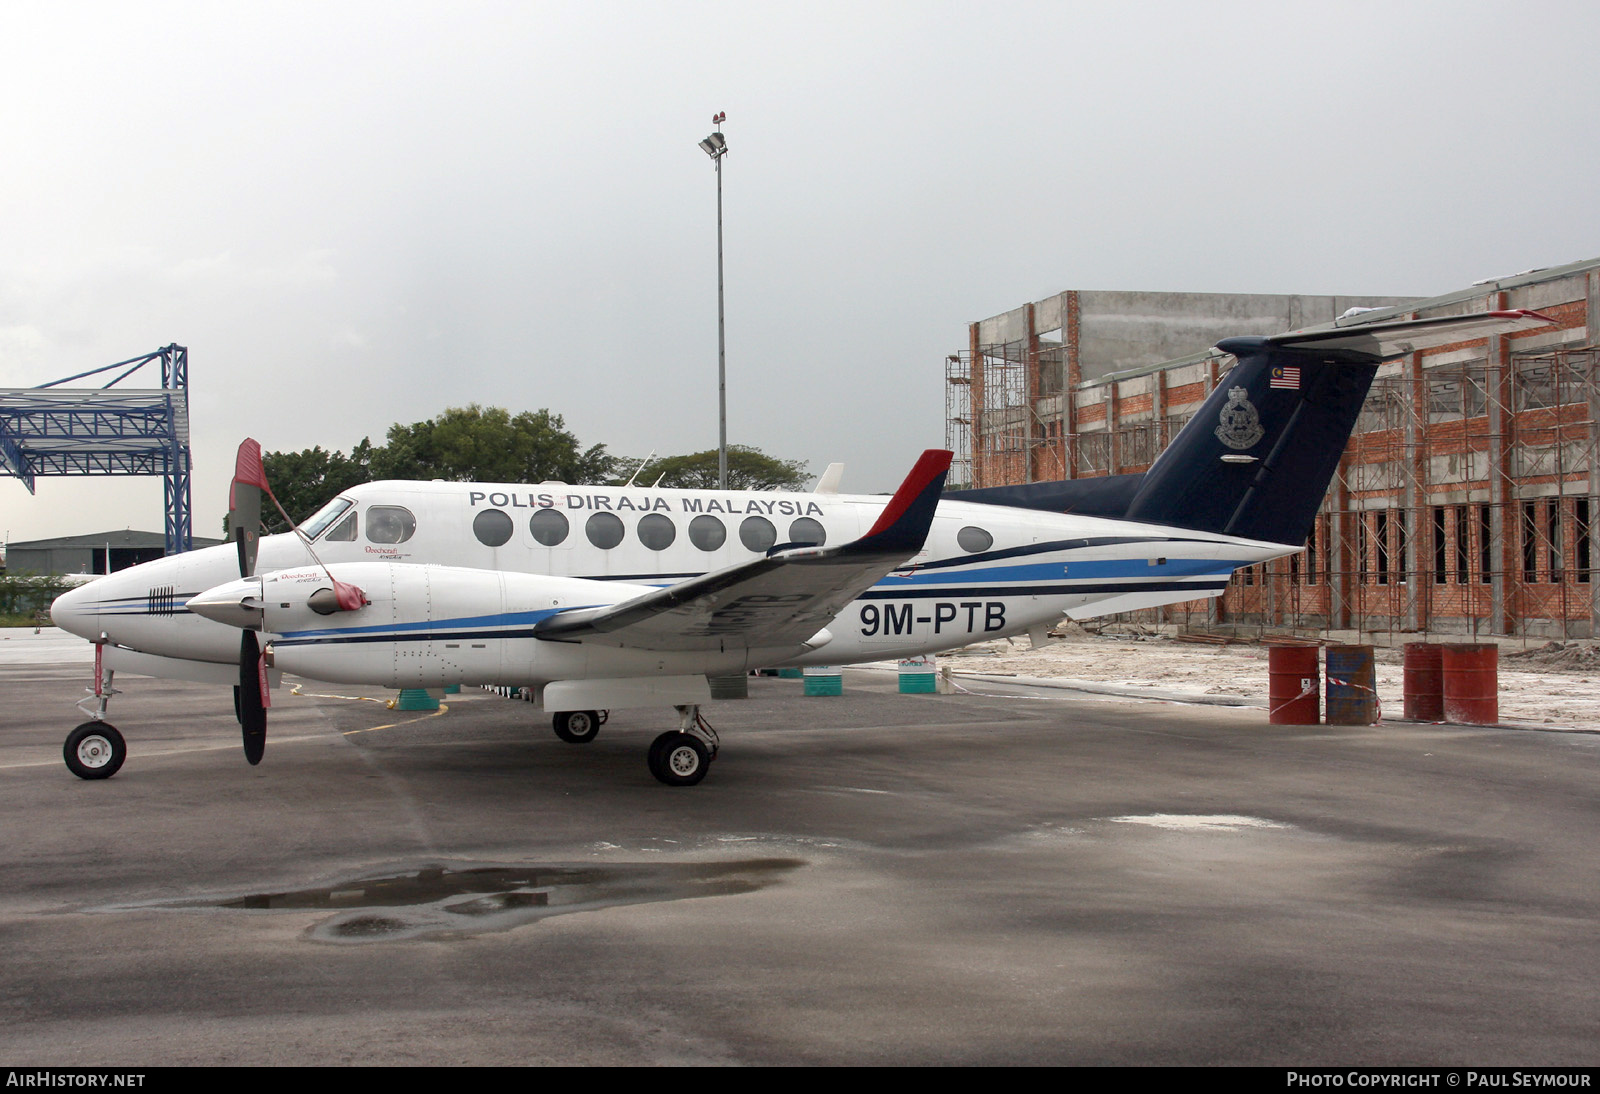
(1400, 337)
(781, 600)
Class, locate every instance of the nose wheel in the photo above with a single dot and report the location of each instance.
(95, 750)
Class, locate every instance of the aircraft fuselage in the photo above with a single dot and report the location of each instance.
(459, 573)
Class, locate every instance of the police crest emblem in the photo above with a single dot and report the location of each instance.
(1239, 425)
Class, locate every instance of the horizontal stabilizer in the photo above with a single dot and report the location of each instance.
(1396, 339)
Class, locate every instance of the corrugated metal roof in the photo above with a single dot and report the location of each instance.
(121, 537)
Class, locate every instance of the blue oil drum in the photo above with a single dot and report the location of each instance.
(1352, 686)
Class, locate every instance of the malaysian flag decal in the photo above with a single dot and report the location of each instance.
(1287, 377)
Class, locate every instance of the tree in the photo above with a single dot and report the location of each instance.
(748, 469)
(463, 444)
(27, 596)
(304, 482)
(487, 444)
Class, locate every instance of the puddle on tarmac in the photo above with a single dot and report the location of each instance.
(438, 901)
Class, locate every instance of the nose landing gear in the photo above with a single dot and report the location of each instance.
(95, 750)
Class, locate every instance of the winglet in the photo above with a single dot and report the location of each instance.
(903, 525)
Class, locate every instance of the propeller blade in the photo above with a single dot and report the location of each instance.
(252, 698)
(244, 504)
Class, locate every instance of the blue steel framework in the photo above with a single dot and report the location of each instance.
(110, 430)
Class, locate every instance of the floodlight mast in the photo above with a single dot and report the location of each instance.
(716, 146)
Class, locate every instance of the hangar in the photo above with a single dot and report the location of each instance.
(1465, 502)
(95, 553)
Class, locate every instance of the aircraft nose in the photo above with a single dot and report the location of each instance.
(77, 611)
(236, 603)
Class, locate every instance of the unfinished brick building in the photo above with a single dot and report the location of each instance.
(1465, 503)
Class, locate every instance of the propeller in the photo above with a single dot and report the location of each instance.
(244, 608)
(251, 696)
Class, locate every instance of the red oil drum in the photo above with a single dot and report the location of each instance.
(1472, 683)
(1293, 686)
(1424, 673)
(1352, 686)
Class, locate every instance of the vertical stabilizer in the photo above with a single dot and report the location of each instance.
(1257, 457)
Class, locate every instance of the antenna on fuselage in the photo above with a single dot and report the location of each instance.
(640, 468)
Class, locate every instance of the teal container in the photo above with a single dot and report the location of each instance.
(1352, 686)
(790, 674)
(416, 699)
(918, 676)
(452, 689)
(824, 680)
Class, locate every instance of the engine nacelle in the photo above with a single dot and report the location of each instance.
(428, 626)
(423, 626)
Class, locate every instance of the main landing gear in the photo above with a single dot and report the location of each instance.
(95, 750)
(682, 756)
(579, 727)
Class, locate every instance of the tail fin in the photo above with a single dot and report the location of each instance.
(1257, 457)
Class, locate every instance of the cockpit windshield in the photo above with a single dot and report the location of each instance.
(324, 517)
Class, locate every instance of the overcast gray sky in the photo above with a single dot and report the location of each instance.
(361, 213)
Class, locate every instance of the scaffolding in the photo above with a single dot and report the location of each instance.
(1004, 413)
(109, 430)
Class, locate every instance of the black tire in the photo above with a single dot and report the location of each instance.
(679, 759)
(95, 750)
(577, 727)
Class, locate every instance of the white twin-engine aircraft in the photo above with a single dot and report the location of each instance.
(607, 597)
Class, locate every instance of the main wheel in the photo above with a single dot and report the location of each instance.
(679, 759)
(95, 750)
(577, 727)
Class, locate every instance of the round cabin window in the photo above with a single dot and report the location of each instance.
(549, 527)
(707, 532)
(492, 527)
(604, 530)
(757, 534)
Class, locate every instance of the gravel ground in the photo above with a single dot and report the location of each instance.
(1556, 685)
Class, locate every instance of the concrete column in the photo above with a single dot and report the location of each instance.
(1030, 394)
(1071, 325)
(1158, 414)
(1420, 594)
(1592, 379)
(1502, 520)
(1340, 548)
(975, 375)
(1113, 457)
